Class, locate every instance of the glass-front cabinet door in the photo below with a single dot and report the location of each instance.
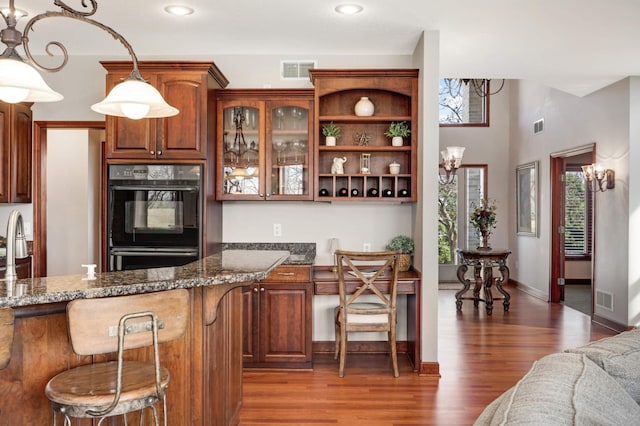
(289, 149)
(242, 151)
(264, 148)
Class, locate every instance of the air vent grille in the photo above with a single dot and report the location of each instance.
(296, 70)
(538, 126)
(604, 300)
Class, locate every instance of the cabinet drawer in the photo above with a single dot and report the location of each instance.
(290, 273)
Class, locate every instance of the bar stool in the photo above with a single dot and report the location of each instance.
(6, 336)
(118, 324)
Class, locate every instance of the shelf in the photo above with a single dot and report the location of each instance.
(359, 119)
(358, 148)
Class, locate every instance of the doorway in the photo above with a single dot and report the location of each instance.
(51, 147)
(572, 207)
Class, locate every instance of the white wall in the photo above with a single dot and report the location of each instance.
(570, 122)
(73, 166)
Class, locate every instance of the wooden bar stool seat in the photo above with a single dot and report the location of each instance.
(6, 335)
(118, 324)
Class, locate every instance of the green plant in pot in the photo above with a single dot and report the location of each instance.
(397, 131)
(405, 245)
(331, 132)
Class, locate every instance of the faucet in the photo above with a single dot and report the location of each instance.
(16, 244)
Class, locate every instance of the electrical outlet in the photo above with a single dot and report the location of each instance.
(366, 247)
(27, 229)
(277, 230)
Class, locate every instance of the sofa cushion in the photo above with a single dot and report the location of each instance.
(563, 389)
(620, 357)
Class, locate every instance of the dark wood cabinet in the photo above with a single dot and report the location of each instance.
(265, 144)
(183, 85)
(16, 152)
(277, 320)
(394, 93)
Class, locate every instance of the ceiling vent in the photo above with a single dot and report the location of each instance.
(296, 70)
(538, 126)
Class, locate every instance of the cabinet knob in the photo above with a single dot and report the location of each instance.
(152, 152)
(261, 288)
(261, 195)
(159, 152)
(255, 289)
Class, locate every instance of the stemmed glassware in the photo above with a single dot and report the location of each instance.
(279, 112)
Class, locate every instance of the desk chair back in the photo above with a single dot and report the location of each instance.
(355, 315)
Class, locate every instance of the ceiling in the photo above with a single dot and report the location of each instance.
(578, 46)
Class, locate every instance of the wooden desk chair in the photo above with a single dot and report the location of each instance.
(6, 336)
(366, 316)
(117, 324)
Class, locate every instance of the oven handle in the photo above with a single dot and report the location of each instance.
(154, 253)
(155, 188)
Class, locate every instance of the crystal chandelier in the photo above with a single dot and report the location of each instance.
(20, 81)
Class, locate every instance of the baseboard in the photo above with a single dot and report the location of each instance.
(530, 290)
(612, 325)
(429, 369)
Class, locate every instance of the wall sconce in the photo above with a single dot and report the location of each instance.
(20, 81)
(451, 161)
(597, 178)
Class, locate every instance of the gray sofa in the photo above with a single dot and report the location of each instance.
(596, 384)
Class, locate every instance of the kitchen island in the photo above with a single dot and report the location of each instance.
(205, 364)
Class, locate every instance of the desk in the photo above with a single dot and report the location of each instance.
(483, 262)
(325, 282)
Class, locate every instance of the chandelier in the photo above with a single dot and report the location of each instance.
(451, 161)
(481, 86)
(20, 80)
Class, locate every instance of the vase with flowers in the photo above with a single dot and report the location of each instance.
(483, 220)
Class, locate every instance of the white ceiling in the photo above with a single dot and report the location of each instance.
(574, 45)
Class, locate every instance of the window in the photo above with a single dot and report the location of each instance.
(454, 207)
(461, 104)
(578, 217)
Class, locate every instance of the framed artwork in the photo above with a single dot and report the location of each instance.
(527, 199)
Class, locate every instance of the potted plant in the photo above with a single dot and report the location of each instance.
(405, 245)
(397, 131)
(331, 132)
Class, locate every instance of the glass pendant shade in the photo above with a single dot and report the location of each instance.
(135, 99)
(20, 82)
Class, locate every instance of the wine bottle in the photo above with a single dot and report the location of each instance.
(403, 193)
(387, 192)
(372, 192)
(355, 192)
(324, 192)
(343, 192)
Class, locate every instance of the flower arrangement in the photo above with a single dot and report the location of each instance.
(483, 216)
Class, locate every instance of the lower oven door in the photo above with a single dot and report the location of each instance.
(123, 259)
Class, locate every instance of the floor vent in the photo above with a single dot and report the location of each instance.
(538, 126)
(604, 300)
(296, 70)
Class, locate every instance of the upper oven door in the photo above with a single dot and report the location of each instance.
(154, 214)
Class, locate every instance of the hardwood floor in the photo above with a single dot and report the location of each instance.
(480, 357)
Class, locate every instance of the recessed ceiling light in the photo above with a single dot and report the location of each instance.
(178, 10)
(349, 8)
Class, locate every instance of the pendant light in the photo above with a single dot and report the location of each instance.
(20, 81)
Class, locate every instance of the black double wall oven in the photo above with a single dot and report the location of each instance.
(154, 215)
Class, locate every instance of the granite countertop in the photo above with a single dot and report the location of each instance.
(301, 253)
(228, 266)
